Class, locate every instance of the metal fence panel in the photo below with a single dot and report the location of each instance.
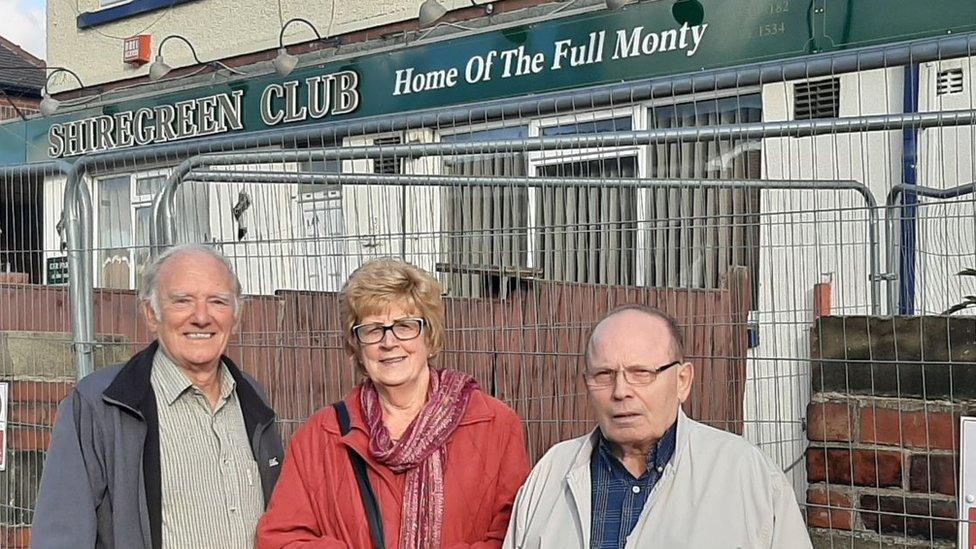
(751, 204)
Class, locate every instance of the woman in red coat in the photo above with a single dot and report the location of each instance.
(443, 459)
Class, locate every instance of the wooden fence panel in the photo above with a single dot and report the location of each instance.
(526, 349)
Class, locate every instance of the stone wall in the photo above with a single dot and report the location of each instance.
(883, 421)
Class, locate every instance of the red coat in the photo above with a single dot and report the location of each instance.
(316, 503)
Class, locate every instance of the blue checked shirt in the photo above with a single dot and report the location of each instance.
(618, 497)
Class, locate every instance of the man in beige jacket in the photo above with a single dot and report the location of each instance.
(648, 476)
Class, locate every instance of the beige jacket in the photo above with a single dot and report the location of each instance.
(719, 491)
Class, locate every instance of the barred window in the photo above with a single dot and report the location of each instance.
(486, 228)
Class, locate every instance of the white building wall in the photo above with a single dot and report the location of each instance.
(808, 237)
(217, 29)
(265, 258)
(946, 237)
(53, 200)
(392, 220)
(424, 244)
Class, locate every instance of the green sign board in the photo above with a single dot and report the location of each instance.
(642, 40)
(57, 270)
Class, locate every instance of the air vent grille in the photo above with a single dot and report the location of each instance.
(388, 164)
(949, 81)
(820, 99)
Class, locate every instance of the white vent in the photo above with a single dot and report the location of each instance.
(949, 81)
(820, 99)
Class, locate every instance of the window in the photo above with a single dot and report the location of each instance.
(587, 234)
(617, 124)
(320, 250)
(694, 235)
(114, 261)
(123, 219)
(8, 112)
(486, 227)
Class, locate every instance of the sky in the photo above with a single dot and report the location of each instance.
(23, 23)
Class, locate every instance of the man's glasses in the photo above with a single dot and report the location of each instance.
(637, 376)
(403, 329)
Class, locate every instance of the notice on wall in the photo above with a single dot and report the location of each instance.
(4, 404)
(967, 483)
(57, 270)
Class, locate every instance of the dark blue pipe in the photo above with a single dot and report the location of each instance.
(909, 203)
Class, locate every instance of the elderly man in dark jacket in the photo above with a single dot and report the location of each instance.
(175, 448)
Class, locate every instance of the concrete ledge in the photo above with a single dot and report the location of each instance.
(47, 356)
(834, 539)
(932, 357)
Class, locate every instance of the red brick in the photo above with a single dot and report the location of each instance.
(14, 278)
(28, 439)
(41, 414)
(39, 391)
(876, 468)
(933, 474)
(15, 537)
(840, 515)
(830, 421)
(918, 429)
(920, 518)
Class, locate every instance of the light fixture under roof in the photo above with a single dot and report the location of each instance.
(160, 68)
(430, 12)
(284, 63)
(50, 105)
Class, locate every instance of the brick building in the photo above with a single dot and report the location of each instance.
(20, 90)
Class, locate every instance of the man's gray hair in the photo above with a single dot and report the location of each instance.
(150, 277)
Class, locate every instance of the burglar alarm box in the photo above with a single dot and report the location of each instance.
(136, 49)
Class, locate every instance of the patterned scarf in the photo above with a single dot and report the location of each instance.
(420, 452)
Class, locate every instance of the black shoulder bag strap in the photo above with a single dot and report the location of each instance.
(373, 517)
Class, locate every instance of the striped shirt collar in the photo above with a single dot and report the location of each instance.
(170, 382)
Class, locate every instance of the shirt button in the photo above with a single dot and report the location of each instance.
(636, 489)
(660, 469)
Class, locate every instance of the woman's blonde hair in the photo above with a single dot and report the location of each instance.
(381, 283)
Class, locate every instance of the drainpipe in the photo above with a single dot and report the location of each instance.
(909, 204)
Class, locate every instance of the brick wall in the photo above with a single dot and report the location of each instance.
(883, 461)
(38, 367)
(27, 105)
(31, 413)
